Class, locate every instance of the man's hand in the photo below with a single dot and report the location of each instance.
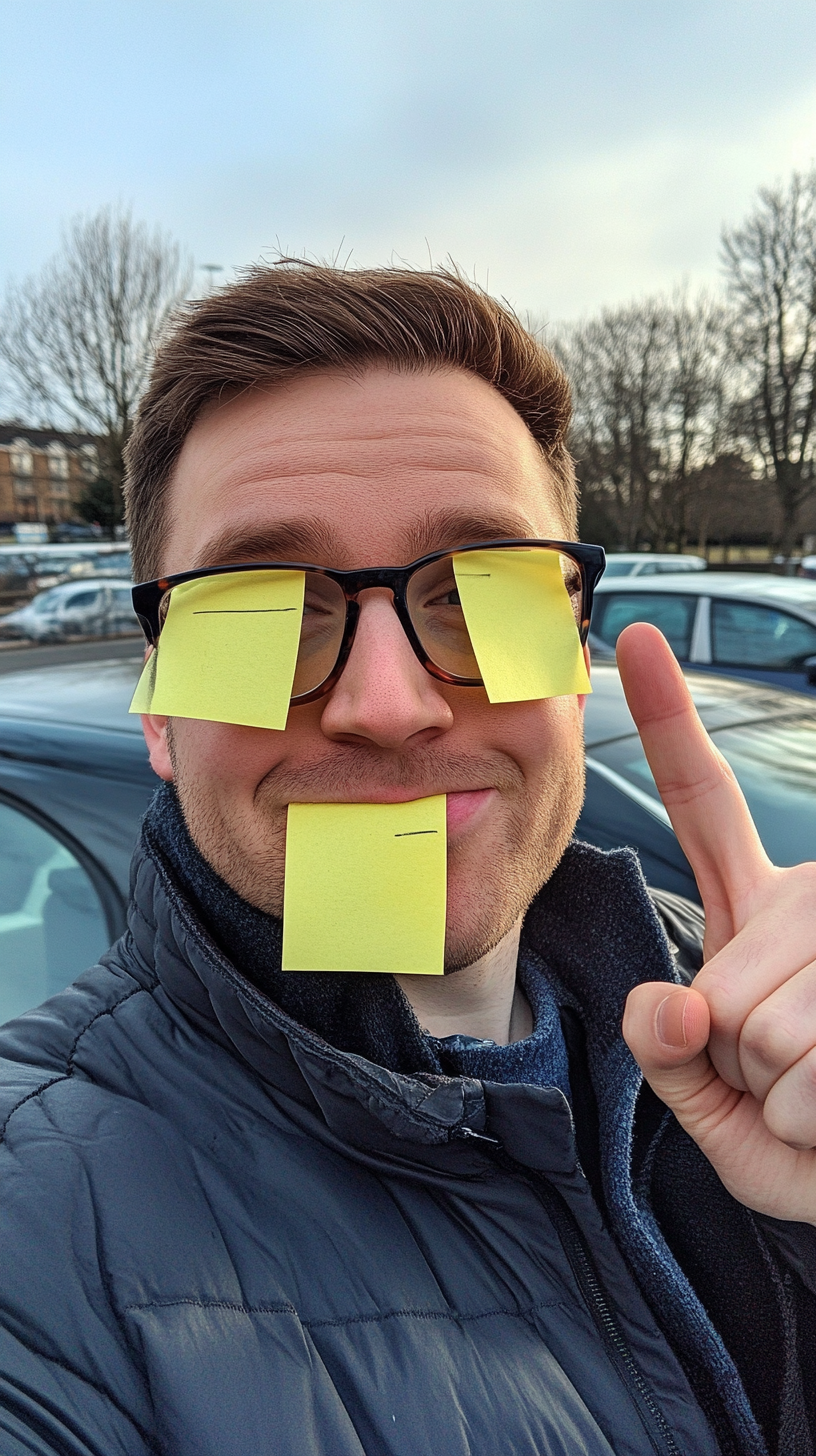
(734, 1057)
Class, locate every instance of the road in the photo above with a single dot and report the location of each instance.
(26, 656)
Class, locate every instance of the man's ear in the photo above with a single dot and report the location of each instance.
(154, 727)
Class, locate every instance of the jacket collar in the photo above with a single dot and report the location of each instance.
(593, 924)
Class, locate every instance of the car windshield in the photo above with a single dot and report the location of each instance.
(47, 601)
(775, 763)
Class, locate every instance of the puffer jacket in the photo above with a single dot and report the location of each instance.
(222, 1236)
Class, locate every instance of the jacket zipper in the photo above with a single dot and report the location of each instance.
(584, 1269)
(582, 1265)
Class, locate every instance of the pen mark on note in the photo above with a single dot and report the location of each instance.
(239, 611)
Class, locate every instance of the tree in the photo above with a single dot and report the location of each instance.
(770, 268)
(101, 505)
(78, 338)
(649, 390)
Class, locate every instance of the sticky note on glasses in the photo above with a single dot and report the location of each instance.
(521, 624)
(227, 651)
(365, 887)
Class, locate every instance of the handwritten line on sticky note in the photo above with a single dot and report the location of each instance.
(228, 649)
(365, 887)
(521, 624)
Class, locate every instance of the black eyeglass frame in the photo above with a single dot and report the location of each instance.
(590, 561)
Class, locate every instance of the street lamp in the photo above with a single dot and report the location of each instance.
(211, 269)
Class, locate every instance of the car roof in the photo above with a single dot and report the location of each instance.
(788, 591)
(722, 702)
(652, 556)
(81, 583)
(81, 694)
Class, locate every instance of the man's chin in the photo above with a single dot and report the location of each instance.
(466, 944)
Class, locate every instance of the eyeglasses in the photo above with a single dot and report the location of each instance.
(427, 594)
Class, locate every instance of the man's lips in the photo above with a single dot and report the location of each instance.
(462, 804)
(462, 807)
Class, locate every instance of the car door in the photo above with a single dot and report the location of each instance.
(54, 921)
(750, 639)
(674, 613)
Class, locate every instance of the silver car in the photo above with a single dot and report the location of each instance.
(85, 608)
(651, 563)
(740, 624)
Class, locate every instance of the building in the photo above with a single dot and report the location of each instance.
(43, 473)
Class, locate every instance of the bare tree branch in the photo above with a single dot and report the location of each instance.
(770, 268)
(78, 339)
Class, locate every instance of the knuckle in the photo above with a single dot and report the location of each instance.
(770, 1039)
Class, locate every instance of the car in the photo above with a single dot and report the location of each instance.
(75, 781)
(90, 607)
(742, 624)
(25, 570)
(651, 563)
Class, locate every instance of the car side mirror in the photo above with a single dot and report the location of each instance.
(809, 665)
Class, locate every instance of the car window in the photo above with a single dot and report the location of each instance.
(618, 568)
(744, 634)
(122, 597)
(673, 614)
(649, 568)
(52, 922)
(82, 599)
(775, 764)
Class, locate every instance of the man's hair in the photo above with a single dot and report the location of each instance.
(291, 317)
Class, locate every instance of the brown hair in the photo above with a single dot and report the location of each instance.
(283, 319)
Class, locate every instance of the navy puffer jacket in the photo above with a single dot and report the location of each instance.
(222, 1236)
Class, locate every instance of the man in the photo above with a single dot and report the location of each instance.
(248, 1209)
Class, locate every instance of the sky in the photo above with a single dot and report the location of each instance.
(568, 154)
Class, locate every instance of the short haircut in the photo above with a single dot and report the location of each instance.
(291, 317)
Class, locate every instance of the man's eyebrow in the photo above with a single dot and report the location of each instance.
(301, 539)
(451, 527)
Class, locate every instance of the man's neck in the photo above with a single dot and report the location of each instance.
(483, 1000)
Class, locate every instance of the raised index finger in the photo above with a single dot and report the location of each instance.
(703, 799)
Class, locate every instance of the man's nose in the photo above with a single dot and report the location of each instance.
(384, 695)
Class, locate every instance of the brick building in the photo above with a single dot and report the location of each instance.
(43, 473)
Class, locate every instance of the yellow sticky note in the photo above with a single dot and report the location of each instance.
(142, 700)
(521, 624)
(228, 650)
(365, 887)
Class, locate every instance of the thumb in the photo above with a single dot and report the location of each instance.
(666, 1029)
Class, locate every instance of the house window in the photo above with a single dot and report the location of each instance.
(58, 463)
(89, 461)
(22, 458)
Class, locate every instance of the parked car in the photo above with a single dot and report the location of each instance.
(651, 563)
(25, 570)
(75, 781)
(99, 607)
(741, 624)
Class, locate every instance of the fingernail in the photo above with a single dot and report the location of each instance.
(670, 1020)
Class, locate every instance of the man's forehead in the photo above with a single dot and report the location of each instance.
(402, 464)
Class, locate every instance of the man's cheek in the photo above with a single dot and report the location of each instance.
(226, 752)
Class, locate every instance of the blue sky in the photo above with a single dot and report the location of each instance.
(566, 154)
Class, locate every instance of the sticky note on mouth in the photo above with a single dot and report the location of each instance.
(228, 650)
(521, 624)
(365, 887)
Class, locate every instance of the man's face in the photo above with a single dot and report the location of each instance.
(374, 471)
